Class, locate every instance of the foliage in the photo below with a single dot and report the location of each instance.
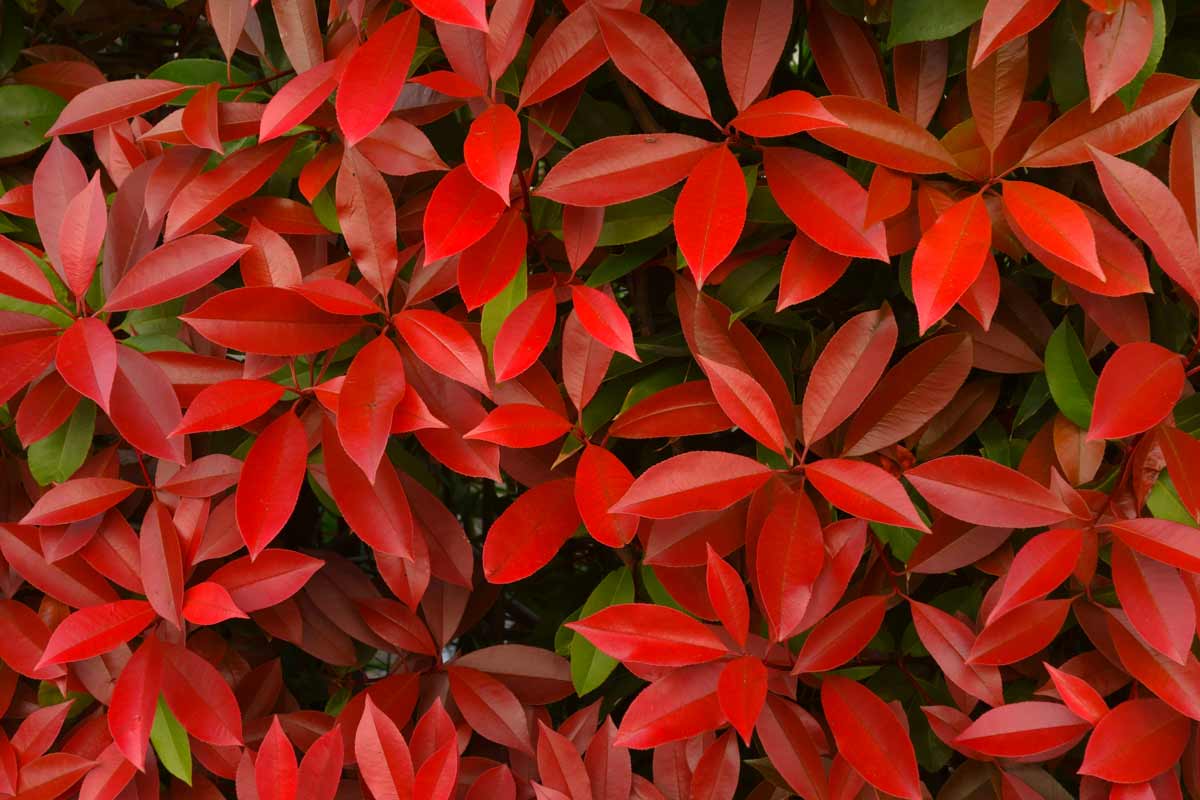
(599, 400)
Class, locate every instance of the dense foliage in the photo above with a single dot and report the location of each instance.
(692, 399)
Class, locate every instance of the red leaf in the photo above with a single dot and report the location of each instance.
(1116, 46)
(742, 690)
(600, 481)
(23, 638)
(210, 194)
(647, 55)
(113, 102)
(398, 147)
(976, 490)
(824, 202)
(1163, 540)
(846, 53)
(1184, 179)
(396, 624)
(199, 118)
(727, 594)
(995, 88)
(96, 630)
(50, 776)
(604, 320)
(572, 51)
(374, 387)
(649, 634)
(864, 490)
(162, 563)
(445, 345)
(784, 114)
(269, 579)
(1053, 222)
(275, 770)
(20, 276)
(490, 151)
(949, 258)
(77, 500)
(489, 265)
(870, 737)
(321, 768)
(134, 700)
(949, 641)
(1112, 128)
(229, 404)
(200, 698)
(919, 69)
(524, 335)
(753, 38)
(530, 531)
(177, 268)
(1137, 389)
(270, 321)
(367, 217)
(1079, 696)
(1020, 633)
(461, 211)
(888, 194)
(791, 532)
(560, 765)
(490, 708)
(785, 730)
(842, 635)
(466, 13)
(1178, 686)
(1039, 567)
(1023, 729)
(872, 130)
(84, 221)
(271, 480)
(710, 212)
(1154, 215)
(208, 603)
(379, 513)
(520, 425)
(86, 359)
(383, 757)
(846, 371)
(299, 98)
(1136, 741)
(617, 169)
(686, 409)
(1005, 20)
(690, 482)
(681, 705)
(1157, 602)
(910, 394)
(375, 75)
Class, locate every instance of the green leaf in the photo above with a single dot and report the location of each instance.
(926, 20)
(636, 220)
(763, 208)
(1130, 91)
(203, 71)
(1071, 378)
(1068, 78)
(1164, 502)
(749, 285)
(902, 541)
(617, 265)
(12, 36)
(326, 211)
(496, 310)
(170, 742)
(26, 113)
(590, 667)
(1035, 397)
(57, 457)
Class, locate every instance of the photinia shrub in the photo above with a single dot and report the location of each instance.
(599, 400)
